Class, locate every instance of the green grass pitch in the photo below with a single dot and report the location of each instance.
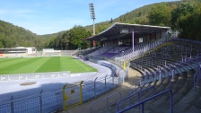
(43, 64)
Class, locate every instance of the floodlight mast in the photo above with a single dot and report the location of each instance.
(91, 7)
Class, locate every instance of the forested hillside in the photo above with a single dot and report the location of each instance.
(14, 36)
(184, 16)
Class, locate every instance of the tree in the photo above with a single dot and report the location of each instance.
(1, 42)
(181, 13)
(111, 21)
(189, 25)
(77, 35)
(66, 39)
(71, 39)
(159, 15)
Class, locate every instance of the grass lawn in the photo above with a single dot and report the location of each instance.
(43, 64)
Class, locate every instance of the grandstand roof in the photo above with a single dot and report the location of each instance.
(121, 29)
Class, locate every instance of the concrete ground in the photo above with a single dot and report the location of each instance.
(133, 78)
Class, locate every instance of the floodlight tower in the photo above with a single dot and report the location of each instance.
(91, 7)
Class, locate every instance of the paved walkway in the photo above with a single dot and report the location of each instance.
(133, 78)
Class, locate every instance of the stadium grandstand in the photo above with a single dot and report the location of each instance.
(17, 52)
(32, 52)
(121, 40)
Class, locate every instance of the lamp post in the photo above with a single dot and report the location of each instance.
(91, 7)
(122, 54)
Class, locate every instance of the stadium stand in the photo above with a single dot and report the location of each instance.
(168, 68)
(157, 74)
(17, 52)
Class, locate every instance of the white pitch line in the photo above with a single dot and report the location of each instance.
(36, 69)
(39, 66)
(81, 65)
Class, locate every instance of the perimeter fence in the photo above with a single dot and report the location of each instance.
(68, 96)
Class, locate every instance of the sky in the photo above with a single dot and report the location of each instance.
(52, 16)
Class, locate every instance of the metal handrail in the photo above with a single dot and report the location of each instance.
(148, 99)
(131, 95)
(196, 76)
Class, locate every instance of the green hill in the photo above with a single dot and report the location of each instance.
(14, 36)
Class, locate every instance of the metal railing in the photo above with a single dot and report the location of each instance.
(197, 77)
(178, 68)
(131, 95)
(141, 49)
(99, 86)
(141, 103)
(44, 102)
(187, 63)
(91, 89)
(187, 40)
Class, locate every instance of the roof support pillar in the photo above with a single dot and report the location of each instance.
(94, 43)
(133, 39)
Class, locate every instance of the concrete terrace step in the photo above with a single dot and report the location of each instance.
(183, 104)
(162, 101)
(163, 86)
(184, 90)
(193, 110)
(156, 102)
(197, 98)
(178, 96)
